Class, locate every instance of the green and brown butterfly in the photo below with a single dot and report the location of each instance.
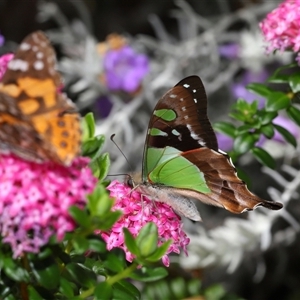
(182, 161)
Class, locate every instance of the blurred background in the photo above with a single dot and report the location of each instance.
(118, 58)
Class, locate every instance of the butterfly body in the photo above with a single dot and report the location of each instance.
(182, 162)
(37, 122)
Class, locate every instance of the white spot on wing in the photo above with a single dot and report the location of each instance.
(25, 46)
(181, 99)
(38, 65)
(18, 64)
(186, 85)
(183, 108)
(40, 55)
(173, 96)
(195, 100)
(195, 136)
(186, 117)
(194, 91)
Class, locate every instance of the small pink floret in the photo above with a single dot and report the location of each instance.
(35, 199)
(138, 210)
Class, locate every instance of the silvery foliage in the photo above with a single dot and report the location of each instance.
(196, 51)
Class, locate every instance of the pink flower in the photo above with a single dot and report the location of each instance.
(281, 28)
(139, 210)
(35, 199)
(4, 60)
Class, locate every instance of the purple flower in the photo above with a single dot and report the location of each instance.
(2, 40)
(35, 199)
(230, 51)
(125, 69)
(225, 142)
(239, 89)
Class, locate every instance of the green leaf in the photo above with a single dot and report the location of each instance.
(267, 117)
(81, 244)
(286, 135)
(96, 245)
(100, 166)
(66, 288)
(92, 147)
(82, 275)
(160, 251)
(267, 130)
(80, 216)
(214, 292)
(46, 272)
(146, 274)
(225, 128)
(103, 291)
(277, 101)
(33, 294)
(294, 114)
(122, 291)
(88, 126)
(147, 239)
(263, 157)
(124, 286)
(13, 271)
(259, 89)
(178, 287)
(130, 242)
(113, 263)
(244, 129)
(243, 143)
(278, 77)
(294, 82)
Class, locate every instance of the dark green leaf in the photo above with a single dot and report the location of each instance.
(277, 101)
(66, 288)
(294, 114)
(33, 294)
(92, 146)
(244, 143)
(130, 242)
(147, 239)
(46, 273)
(123, 291)
(263, 157)
(96, 245)
(278, 77)
(82, 275)
(13, 271)
(259, 89)
(267, 130)
(103, 291)
(149, 274)
(225, 128)
(129, 288)
(244, 129)
(286, 135)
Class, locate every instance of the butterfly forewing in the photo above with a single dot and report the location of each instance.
(181, 155)
(32, 85)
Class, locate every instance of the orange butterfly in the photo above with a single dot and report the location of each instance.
(37, 122)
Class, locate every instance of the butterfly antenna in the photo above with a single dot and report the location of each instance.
(112, 139)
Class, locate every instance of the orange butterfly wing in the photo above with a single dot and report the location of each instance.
(37, 122)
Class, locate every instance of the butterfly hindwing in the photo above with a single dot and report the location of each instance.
(181, 156)
(32, 85)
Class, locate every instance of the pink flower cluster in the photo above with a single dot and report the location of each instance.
(139, 210)
(281, 28)
(4, 60)
(35, 199)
